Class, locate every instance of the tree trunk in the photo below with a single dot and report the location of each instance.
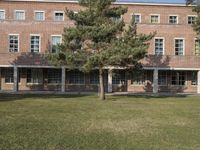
(101, 82)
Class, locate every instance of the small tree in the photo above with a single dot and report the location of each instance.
(99, 39)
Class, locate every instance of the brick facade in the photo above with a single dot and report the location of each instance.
(188, 63)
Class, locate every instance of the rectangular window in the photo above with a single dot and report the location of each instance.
(192, 20)
(35, 43)
(2, 14)
(76, 77)
(137, 18)
(159, 46)
(155, 19)
(9, 75)
(178, 78)
(19, 15)
(173, 19)
(54, 75)
(39, 15)
(162, 78)
(179, 47)
(55, 40)
(13, 43)
(94, 77)
(194, 78)
(59, 16)
(35, 76)
(197, 47)
(119, 77)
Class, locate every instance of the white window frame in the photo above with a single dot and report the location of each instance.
(20, 11)
(173, 16)
(11, 34)
(138, 15)
(195, 46)
(4, 16)
(155, 15)
(39, 11)
(190, 16)
(163, 45)
(39, 42)
(177, 38)
(55, 35)
(54, 15)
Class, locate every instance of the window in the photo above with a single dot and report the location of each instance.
(178, 78)
(39, 15)
(137, 18)
(2, 14)
(194, 78)
(35, 76)
(155, 19)
(159, 46)
(138, 79)
(197, 47)
(162, 78)
(179, 47)
(76, 77)
(54, 75)
(173, 19)
(59, 16)
(13, 43)
(192, 19)
(9, 75)
(94, 77)
(119, 77)
(20, 15)
(35, 43)
(116, 18)
(55, 40)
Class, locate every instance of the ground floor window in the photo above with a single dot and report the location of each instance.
(178, 78)
(138, 78)
(9, 75)
(94, 77)
(119, 77)
(54, 76)
(162, 78)
(35, 76)
(194, 78)
(76, 77)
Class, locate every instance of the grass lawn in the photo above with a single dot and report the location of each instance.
(54, 122)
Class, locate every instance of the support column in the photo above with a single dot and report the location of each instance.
(63, 79)
(15, 74)
(198, 82)
(110, 81)
(0, 79)
(155, 81)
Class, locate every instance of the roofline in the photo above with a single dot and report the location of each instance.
(117, 3)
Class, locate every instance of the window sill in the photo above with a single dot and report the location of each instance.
(34, 84)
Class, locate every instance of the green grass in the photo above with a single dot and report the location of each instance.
(54, 122)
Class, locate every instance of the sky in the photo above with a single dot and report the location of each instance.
(155, 1)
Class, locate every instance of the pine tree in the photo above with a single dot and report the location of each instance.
(99, 39)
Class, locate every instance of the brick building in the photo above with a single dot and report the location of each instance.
(31, 28)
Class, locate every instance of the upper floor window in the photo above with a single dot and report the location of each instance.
(2, 14)
(13, 43)
(192, 19)
(39, 15)
(173, 19)
(55, 40)
(159, 46)
(20, 15)
(35, 43)
(155, 19)
(197, 47)
(137, 18)
(59, 16)
(116, 18)
(179, 46)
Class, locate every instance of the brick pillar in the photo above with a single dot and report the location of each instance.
(198, 82)
(15, 85)
(110, 81)
(63, 79)
(155, 81)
